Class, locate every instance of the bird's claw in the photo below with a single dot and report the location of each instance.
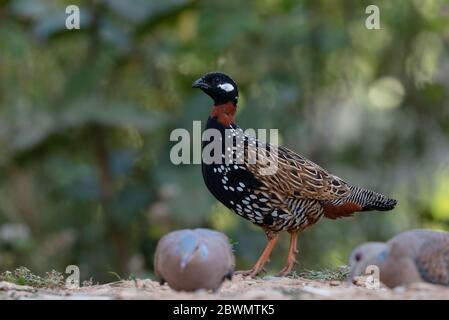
(287, 269)
(252, 273)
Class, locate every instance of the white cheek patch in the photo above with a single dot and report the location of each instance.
(226, 87)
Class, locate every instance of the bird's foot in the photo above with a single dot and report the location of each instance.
(251, 273)
(287, 269)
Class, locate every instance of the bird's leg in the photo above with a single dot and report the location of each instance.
(291, 258)
(264, 257)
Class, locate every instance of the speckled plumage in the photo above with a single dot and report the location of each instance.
(295, 197)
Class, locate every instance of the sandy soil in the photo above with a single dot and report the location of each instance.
(239, 288)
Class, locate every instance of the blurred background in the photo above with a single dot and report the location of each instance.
(85, 119)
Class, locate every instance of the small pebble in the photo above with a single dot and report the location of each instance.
(334, 283)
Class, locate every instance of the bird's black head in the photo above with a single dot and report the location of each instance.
(220, 87)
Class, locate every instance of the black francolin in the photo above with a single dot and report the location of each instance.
(292, 197)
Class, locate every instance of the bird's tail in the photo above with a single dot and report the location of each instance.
(359, 200)
(369, 200)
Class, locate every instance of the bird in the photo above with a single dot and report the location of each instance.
(292, 197)
(409, 257)
(190, 260)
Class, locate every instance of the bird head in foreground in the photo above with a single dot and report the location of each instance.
(367, 254)
(219, 86)
(409, 257)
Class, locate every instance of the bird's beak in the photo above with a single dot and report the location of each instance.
(200, 84)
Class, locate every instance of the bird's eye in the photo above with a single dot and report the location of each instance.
(217, 80)
(358, 256)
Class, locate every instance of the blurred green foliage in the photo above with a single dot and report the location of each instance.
(85, 119)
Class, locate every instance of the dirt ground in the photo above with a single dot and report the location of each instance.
(239, 288)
